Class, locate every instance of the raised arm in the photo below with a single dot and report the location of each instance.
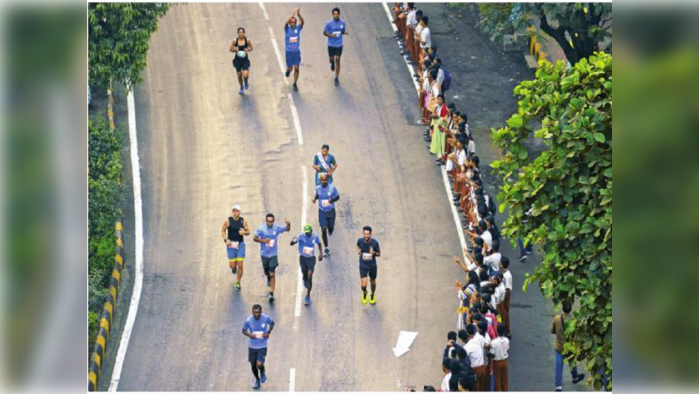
(301, 21)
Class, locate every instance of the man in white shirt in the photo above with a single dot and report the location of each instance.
(492, 260)
(446, 368)
(507, 280)
(425, 34)
(475, 352)
(499, 348)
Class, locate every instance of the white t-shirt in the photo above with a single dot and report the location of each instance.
(440, 76)
(499, 348)
(507, 279)
(461, 157)
(445, 382)
(474, 350)
(435, 89)
(493, 261)
(411, 21)
(418, 29)
(471, 147)
(498, 295)
(426, 38)
(487, 238)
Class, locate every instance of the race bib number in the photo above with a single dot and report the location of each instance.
(308, 251)
(235, 245)
(258, 334)
(325, 203)
(293, 40)
(270, 243)
(367, 256)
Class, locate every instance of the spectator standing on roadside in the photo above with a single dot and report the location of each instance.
(507, 280)
(558, 329)
(499, 348)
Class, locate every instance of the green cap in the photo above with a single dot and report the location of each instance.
(307, 228)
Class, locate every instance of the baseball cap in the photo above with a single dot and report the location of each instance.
(307, 228)
(236, 207)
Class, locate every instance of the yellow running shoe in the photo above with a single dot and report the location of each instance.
(373, 299)
(364, 298)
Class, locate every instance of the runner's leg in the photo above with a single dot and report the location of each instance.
(296, 74)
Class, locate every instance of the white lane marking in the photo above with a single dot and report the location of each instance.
(264, 10)
(304, 218)
(459, 229)
(297, 120)
(410, 68)
(279, 54)
(138, 216)
(292, 380)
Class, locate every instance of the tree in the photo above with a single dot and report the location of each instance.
(568, 189)
(579, 28)
(118, 40)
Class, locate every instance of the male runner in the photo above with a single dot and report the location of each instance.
(368, 250)
(233, 231)
(324, 162)
(335, 28)
(267, 235)
(307, 258)
(292, 31)
(258, 327)
(327, 194)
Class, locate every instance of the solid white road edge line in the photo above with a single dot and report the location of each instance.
(410, 68)
(304, 218)
(459, 229)
(264, 10)
(292, 380)
(138, 216)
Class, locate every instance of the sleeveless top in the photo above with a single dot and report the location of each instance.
(242, 47)
(233, 227)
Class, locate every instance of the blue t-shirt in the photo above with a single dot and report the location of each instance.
(335, 27)
(258, 326)
(272, 234)
(366, 257)
(325, 197)
(330, 161)
(293, 38)
(307, 244)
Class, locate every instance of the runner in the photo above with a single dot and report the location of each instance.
(267, 236)
(242, 46)
(335, 28)
(307, 258)
(292, 32)
(324, 162)
(258, 327)
(368, 250)
(327, 194)
(233, 231)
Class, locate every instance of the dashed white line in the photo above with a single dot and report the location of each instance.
(278, 53)
(292, 380)
(138, 216)
(264, 10)
(459, 229)
(297, 120)
(304, 218)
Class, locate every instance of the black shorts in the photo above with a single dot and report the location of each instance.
(327, 219)
(241, 64)
(269, 264)
(307, 264)
(334, 51)
(257, 355)
(368, 269)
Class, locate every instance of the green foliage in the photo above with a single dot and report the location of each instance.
(569, 191)
(578, 28)
(104, 203)
(119, 34)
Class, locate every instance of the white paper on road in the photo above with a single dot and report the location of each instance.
(405, 340)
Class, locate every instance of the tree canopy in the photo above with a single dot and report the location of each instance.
(119, 35)
(579, 28)
(562, 199)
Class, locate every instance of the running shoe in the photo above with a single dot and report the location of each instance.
(522, 259)
(326, 252)
(237, 286)
(372, 301)
(332, 66)
(287, 73)
(241, 90)
(247, 85)
(579, 378)
(263, 378)
(308, 300)
(296, 88)
(256, 384)
(364, 298)
(337, 82)
(271, 298)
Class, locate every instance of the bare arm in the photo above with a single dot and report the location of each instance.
(246, 229)
(223, 233)
(233, 44)
(250, 46)
(298, 13)
(288, 225)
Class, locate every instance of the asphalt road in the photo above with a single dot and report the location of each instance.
(203, 147)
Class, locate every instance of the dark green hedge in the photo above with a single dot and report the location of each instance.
(104, 204)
